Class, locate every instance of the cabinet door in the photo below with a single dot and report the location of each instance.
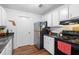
(48, 19)
(4, 17)
(46, 42)
(0, 17)
(51, 45)
(73, 10)
(64, 13)
(55, 18)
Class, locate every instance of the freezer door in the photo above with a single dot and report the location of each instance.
(37, 27)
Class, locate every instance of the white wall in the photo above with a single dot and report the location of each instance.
(14, 15)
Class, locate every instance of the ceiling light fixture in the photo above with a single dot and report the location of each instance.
(39, 5)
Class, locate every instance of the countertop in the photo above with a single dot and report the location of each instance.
(52, 36)
(4, 40)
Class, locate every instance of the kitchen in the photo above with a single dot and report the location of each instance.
(39, 29)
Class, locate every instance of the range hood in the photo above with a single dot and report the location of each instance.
(70, 21)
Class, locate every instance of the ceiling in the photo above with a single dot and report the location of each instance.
(33, 8)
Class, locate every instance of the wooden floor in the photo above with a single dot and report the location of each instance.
(30, 50)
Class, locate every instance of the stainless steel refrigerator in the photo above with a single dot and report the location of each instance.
(38, 36)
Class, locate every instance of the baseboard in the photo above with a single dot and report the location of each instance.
(22, 45)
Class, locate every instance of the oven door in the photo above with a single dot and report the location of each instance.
(62, 48)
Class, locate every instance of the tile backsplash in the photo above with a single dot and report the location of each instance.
(71, 27)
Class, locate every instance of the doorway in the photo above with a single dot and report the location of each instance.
(25, 31)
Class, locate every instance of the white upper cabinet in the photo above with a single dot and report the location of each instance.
(55, 18)
(64, 13)
(47, 17)
(3, 17)
(59, 14)
(73, 10)
(0, 16)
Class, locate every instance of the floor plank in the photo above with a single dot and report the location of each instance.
(30, 50)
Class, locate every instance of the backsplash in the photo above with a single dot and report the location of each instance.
(74, 27)
(57, 30)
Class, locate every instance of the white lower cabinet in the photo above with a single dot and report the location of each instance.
(49, 44)
(46, 42)
(8, 49)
